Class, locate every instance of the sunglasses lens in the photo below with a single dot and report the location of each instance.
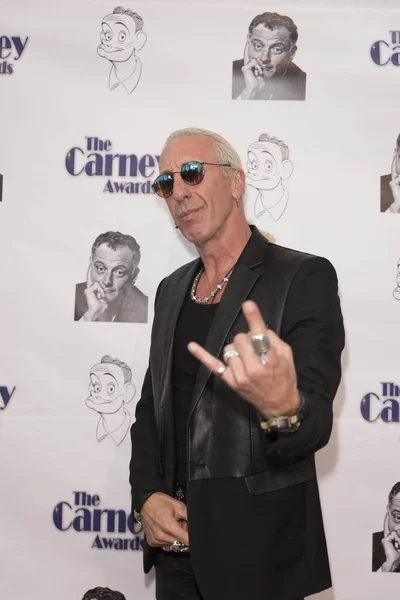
(192, 172)
(163, 185)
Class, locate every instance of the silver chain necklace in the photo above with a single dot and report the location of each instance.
(213, 293)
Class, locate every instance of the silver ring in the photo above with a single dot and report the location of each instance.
(221, 371)
(176, 546)
(230, 354)
(261, 344)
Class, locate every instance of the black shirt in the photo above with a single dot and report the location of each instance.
(193, 325)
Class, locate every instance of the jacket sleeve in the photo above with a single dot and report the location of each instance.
(313, 326)
(144, 469)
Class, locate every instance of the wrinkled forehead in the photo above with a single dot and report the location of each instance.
(265, 34)
(107, 368)
(185, 148)
(125, 20)
(121, 253)
(259, 147)
(395, 503)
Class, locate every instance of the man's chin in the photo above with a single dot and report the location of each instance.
(110, 297)
(267, 74)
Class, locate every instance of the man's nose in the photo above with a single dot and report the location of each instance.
(104, 41)
(108, 279)
(266, 55)
(181, 190)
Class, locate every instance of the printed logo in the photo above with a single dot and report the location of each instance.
(111, 388)
(396, 291)
(5, 396)
(95, 159)
(121, 37)
(385, 52)
(85, 516)
(11, 50)
(384, 406)
(268, 166)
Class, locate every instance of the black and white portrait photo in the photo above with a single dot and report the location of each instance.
(390, 184)
(103, 593)
(267, 70)
(267, 168)
(110, 390)
(386, 543)
(121, 37)
(109, 292)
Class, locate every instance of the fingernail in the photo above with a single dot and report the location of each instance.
(248, 306)
(192, 346)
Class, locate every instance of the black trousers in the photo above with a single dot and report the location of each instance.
(175, 578)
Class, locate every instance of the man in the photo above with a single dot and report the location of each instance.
(267, 71)
(222, 466)
(268, 165)
(390, 184)
(121, 37)
(110, 389)
(386, 543)
(109, 293)
(100, 593)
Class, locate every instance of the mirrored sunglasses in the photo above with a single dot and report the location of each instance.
(191, 172)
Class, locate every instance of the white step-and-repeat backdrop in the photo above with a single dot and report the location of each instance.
(88, 93)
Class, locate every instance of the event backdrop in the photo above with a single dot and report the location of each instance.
(80, 140)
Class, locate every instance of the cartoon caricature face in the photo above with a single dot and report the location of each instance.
(108, 392)
(119, 39)
(265, 167)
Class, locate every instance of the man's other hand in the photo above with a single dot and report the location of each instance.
(164, 520)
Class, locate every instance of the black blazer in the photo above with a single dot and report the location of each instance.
(255, 523)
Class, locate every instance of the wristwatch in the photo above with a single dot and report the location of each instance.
(286, 424)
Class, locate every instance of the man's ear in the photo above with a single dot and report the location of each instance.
(293, 50)
(140, 40)
(135, 274)
(130, 391)
(287, 169)
(238, 183)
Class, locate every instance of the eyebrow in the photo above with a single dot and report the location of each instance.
(111, 375)
(123, 24)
